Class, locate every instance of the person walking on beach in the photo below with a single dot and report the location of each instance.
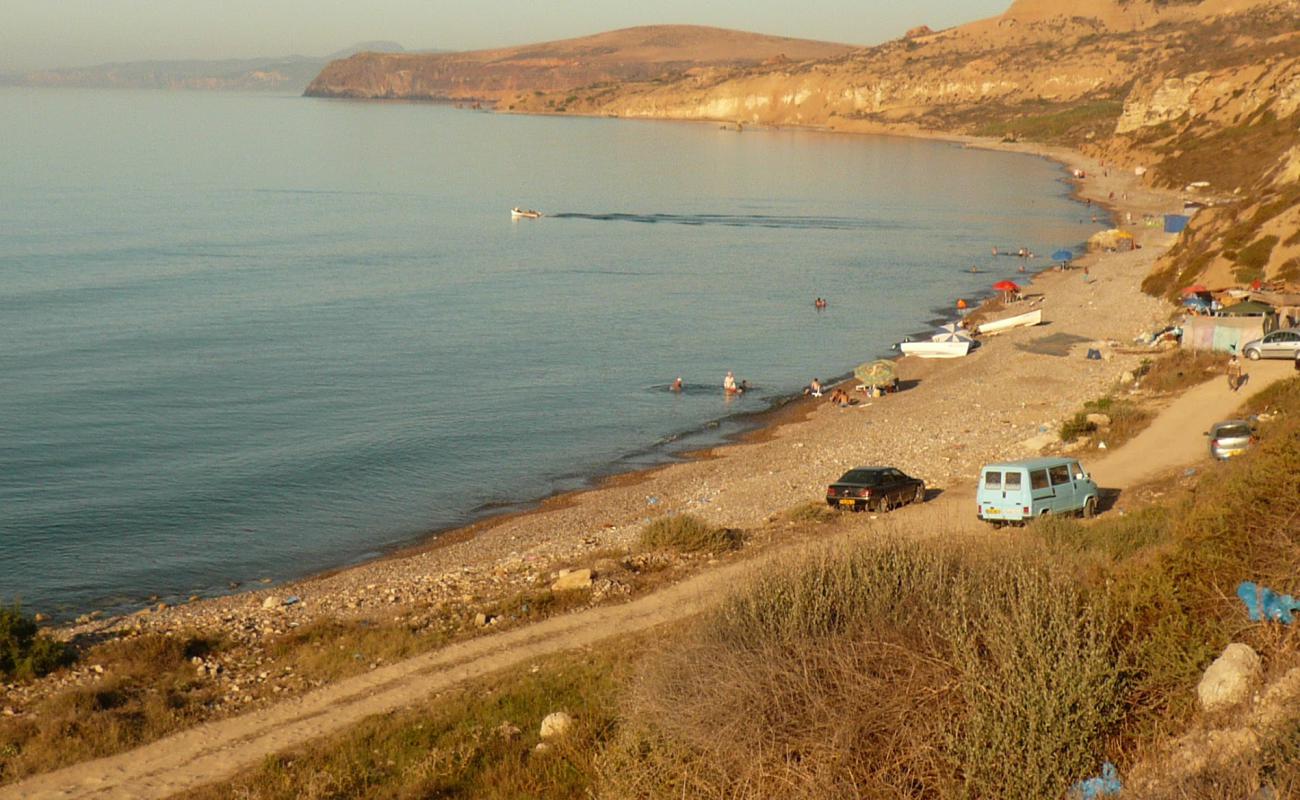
(1235, 375)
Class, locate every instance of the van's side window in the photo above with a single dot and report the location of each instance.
(1012, 482)
(1038, 479)
(1060, 474)
(993, 480)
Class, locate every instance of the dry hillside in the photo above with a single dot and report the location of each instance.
(659, 52)
(1194, 91)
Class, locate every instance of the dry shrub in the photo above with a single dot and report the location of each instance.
(149, 690)
(1181, 369)
(689, 534)
(878, 671)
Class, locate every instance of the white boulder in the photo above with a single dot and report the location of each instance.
(556, 724)
(1229, 680)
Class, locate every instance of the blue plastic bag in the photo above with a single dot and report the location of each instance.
(1107, 784)
(1264, 604)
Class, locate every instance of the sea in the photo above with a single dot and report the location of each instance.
(250, 337)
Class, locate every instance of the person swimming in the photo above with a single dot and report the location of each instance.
(676, 385)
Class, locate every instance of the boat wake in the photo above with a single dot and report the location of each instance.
(736, 220)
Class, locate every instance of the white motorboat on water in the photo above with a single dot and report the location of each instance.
(1018, 321)
(524, 213)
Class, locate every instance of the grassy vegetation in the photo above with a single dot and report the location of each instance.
(689, 534)
(477, 742)
(24, 652)
(1127, 419)
(149, 689)
(1064, 124)
(1181, 369)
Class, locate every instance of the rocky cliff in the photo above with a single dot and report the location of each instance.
(661, 52)
(1203, 93)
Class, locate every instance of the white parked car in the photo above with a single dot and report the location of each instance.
(1283, 343)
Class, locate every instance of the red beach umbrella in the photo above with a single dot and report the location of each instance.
(1006, 286)
(1196, 289)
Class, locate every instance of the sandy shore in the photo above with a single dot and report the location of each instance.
(996, 403)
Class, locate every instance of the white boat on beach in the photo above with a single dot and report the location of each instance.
(1034, 317)
(524, 213)
(951, 349)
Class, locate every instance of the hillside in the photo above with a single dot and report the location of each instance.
(658, 52)
(285, 73)
(1194, 91)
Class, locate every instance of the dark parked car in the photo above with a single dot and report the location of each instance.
(874, 489)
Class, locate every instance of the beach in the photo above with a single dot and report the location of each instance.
(1002, 401)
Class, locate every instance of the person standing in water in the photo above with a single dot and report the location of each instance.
(729, 383)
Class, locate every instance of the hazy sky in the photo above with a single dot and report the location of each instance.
(48, 33)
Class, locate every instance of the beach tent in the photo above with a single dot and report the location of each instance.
(880, 372)
(1175, 223)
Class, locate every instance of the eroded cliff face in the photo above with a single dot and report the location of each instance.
(1196, 92)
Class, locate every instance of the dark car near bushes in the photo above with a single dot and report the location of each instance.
(874, 489)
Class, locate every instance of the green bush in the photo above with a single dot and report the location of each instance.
(24, 653)
(689, 534)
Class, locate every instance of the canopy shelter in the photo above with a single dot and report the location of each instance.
(880, 372)
(1249, 308)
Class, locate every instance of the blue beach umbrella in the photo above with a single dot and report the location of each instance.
(1063, 255)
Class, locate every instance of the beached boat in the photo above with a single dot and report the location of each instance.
(1019, 321)
(524, 213)
(953, 349)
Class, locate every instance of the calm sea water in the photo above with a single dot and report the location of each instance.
(247, 336)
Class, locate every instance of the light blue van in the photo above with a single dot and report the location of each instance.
(1018, 491)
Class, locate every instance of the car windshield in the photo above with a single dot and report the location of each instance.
(864, 477)
(1232, 432)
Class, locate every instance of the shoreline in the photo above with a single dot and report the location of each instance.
(763, 426)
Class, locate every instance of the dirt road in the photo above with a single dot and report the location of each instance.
(217, 750)
(1174, 438)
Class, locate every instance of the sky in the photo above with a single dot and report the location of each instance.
(37, 34)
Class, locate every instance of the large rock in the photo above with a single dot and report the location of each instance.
(1100, 420)
(572, 580)
(556, 724)
(1229, 679)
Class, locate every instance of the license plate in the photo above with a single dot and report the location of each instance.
(992, 510)
(847, 502)
(1235, 452)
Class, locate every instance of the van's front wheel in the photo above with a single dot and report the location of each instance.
(1090, 508)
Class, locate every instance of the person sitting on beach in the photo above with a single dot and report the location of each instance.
(813, 388)
(676, 385)
(841, 398)
(729, 384)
